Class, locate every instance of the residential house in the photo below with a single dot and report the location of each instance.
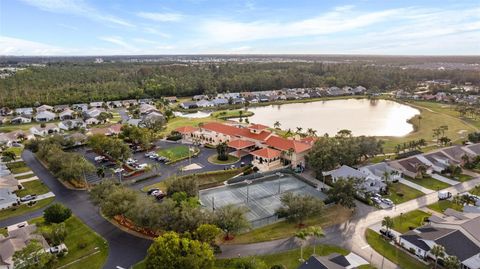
(333, 261)
(45, 116)
(21, 119)
(78, 138)
(134, 122)
(8, 182)
(108, 131)
(18, 237)
(44, 108)
(153, 117)
(5, 111)
(359, 90)
(335, 91)
(60, 108)
(24, 111)
(367, 183)
(145, 101)
(171, 99)
(115, 104)
(199, 97)
(129, 103)
(458, 153)
(14, 137)
(411, 167)
(188, 105)
(147, 108)
(220, 102)
(92, 121)
(96, 104)
(7, 199)
(3, 120)
(382, 171)
(80, 107)
(66, 114)
(458, 233)
(204, 103)
(439, 161)
(49, 128)
(93, 112)
(68, 125)
(472, 150)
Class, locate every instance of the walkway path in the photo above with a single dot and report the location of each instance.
(28, 179)
(23, 174)
(444, 179)
(415, 186)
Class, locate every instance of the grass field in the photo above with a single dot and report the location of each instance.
(32, 187)
(400, 193)
(10, 212)
(25, 176)
(204, 179)
(179, 122)
(289, 259)
(463, 178)
(231, 159)
(227, 114)
(429, 183)
(17, 150)
(5, 128)
(18, 167)
(331, 216)
(475, 191)
(433, 115)
(176, 153)
(81, 241)
(413, 219)
(440, 206)
(392, 253)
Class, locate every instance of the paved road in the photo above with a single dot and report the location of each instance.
(125, 249)
(351, 234)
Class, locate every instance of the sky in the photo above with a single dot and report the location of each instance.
(130, 27)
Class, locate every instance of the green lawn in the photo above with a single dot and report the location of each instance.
(5, 128)
(18, 167)
(17, 150)
(440, 206)
(32, 187)
(413, 219)
(475, 191)
(366, 266)
(400, 193)
(22, 209)
(433, 115)
(391, 252)
(231, 159)
(463, 178)
(331, 216)
(207, 179)
(176, 153)
(289, 259)
(25, 176)
(429, 183)
(81, 241)
(226, 114)
(180, 121)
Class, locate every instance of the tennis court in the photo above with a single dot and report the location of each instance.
(261, 197)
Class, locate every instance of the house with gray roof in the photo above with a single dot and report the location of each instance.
(205, 103)
(80, 107)
(367, 183)
(21, 119)
(9, 182)
(382, 171)
(44, 108)
(220, 101)
(66, 114)
(411, 166)
(458, 152)
(45, 116)
(24, 111)
(7, 198)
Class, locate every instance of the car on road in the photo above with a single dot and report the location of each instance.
(150, 191)
(28, 197)
(148, 154)
(141, 166)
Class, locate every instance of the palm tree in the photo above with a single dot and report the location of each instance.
(419, 119)
(438, 251)
(299, 130)
(387, 222)
(451, 262)
(276, 125)
(316, 232)
(302, 235)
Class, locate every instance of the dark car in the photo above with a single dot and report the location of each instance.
(29, 197)
(388, 234)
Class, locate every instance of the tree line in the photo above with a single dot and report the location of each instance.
(66, 83)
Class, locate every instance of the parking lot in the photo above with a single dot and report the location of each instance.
(159, 170)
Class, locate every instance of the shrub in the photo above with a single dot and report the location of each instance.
(278, 266)
(400, 194)
(56, 213)
(81, 245)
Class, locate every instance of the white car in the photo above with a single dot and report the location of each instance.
(142, 166)
(376, 200)
(99, 158)
(148, 154)
(131, 161)
(118, 170)
(387, 201)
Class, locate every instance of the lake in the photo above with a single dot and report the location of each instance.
(361, 116)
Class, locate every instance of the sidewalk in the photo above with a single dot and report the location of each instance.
(28, 179)
(415, 186)
(23, 174)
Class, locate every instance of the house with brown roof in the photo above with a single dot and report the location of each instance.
(19, 236)
(411, 167)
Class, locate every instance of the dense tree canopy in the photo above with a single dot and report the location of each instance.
(74, 82)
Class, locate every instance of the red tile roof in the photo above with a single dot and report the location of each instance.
(240, 144)
(286, 144)
(267, 153)
(258, 127)
(236, 131)
(309, 140)
(116, 128)
(186, 129)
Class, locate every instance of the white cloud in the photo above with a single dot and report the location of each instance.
(161, 17)
(150, 30)
(78, 8)
(16, 46)
(117, 41)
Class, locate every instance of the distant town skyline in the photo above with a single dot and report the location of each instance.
(87, 27)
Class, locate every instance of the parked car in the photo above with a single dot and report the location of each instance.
(99, 159)
(444, 195)
(150, 191)
(29, 197)
(131, 161)
(118, 170)
(54, 250)
(376, 200)
(387, 201)
(141, 166)
(153, 156)
(148, 154)
(387, 233)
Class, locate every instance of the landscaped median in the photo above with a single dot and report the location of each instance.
(391, 252)
(205, 180)
(178, 153)
(230, 160)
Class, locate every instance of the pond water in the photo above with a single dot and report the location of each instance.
(196, 115)
(361, 116)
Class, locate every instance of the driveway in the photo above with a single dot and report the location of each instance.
(415, 186)
(124, 248)
(444, 179)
